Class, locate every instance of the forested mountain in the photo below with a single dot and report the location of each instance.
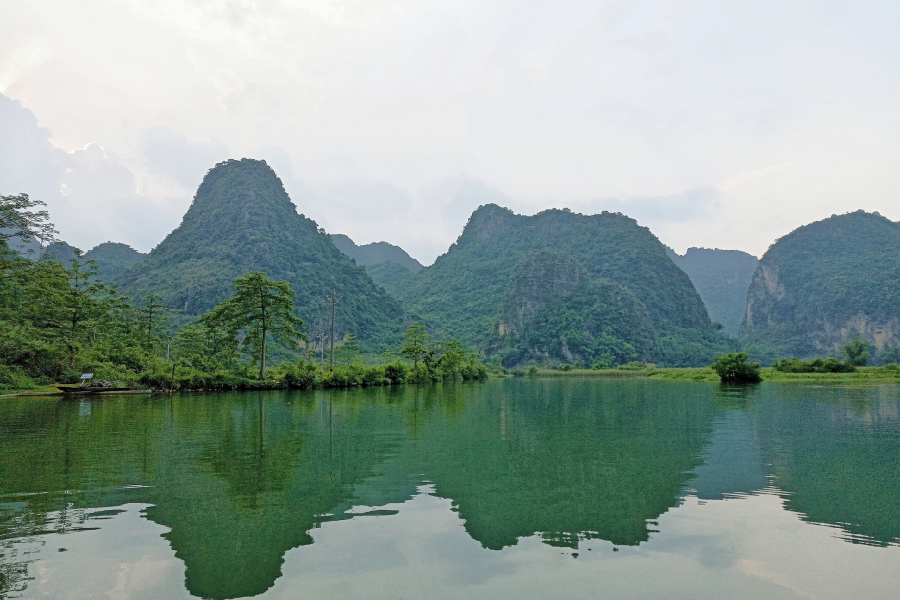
(242, 220)
(32, 249)
(385, 263)
(561, 286)
(825, 283)
(721, 277)
(376, 252)
(113, 258)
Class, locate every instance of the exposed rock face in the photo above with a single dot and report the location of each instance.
(826, 283)
(722, 278)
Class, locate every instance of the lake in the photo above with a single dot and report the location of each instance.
(516, 488)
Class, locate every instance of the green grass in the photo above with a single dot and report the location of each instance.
(862, 376)
(37, 390)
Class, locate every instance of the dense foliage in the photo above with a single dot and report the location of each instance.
(722, 278)
(735, 368)
(824, 283)
(242, 220)
(113, 258)
(58, 321)
(622, 272)
(816, 365)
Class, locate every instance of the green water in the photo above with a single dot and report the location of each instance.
(559, 488)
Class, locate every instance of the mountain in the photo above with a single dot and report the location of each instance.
(114, 258)
(721, 277)
(374, 253)
(561, 286)
(823, 284)
(385, 263)
(32, 249)
(242, 220)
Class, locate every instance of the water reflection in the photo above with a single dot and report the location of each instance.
(238, 480)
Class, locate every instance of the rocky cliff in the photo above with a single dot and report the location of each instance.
(823, 284)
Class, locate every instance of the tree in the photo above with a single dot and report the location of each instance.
(734, 368)
(262, 306)
(856, 351)
(452, 357)
(150, 317)
(17, 220)
(414, 347)
(350, 348)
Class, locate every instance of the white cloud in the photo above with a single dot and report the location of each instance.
(551, 103)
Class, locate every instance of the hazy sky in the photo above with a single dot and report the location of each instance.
(716, 124)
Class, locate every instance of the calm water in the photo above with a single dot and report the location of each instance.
(506, 489)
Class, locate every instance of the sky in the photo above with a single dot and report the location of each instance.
(715, 124)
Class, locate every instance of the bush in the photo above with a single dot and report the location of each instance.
(302, 376)
(14, 378)
(817, 365)
(532, 371)
(734, 368)
(856, 351)
(634, 365)
(564, 368)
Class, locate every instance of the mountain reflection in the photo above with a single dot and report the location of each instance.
(240, 479)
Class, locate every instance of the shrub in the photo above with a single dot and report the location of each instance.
(634, 365)
(304, 375)
(734, 368)
(564, 368)
(14, 378)
(817, 365)
(856, 351)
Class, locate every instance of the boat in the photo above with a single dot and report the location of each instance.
(92, 390)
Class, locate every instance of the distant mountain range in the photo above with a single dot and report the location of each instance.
(555, 287)
(385, 263)
(722, 278)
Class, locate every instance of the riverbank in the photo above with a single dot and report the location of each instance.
(862, 375)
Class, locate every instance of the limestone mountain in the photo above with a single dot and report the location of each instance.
(823, 284)
(385, 263)
(113, 258)
(374, 253)
(561, 286)
(722, 278)
(241, 220)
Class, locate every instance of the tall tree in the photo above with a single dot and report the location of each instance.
(263, 307)
(414, 348)
(17, 219)
(151, 317)
(350, 348)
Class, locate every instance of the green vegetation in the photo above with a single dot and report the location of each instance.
(375, 253)
(113, 259)
(721, 277)
(242, 220)
(260, 306)
(560, 286)
(856, 351)
(824, 283)
(57, 321)
(734, 368)
(817, 365)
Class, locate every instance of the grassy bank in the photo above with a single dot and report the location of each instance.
(862, 375)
